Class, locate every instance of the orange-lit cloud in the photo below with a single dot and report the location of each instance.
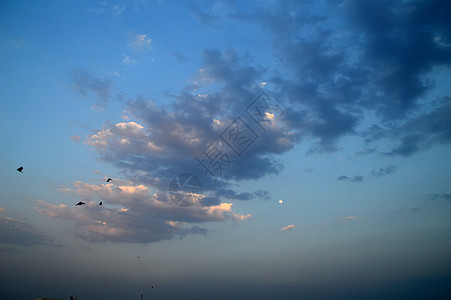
(289, 227)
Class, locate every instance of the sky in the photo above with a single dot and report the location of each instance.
(257, 149)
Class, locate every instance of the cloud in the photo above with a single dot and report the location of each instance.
(408, 146)
(232, 195)
(100, 10)
(424, 131)
(351, 218)
(2, 209)
(442, 196)
(132, 213)
(288, 227)
(356, 178)
(194, 230)
(18, 43)
(353, 63)
(172, 137)
(343, 177)
(21, 233)
(140, 43)
(103, 8)
(309, 171)
(384, 171)
(333, 69)
(179, 57)
(335, 74)
(212, 13)
(84, 83)
(75, 138)
(128, 61)
(118, 9)
(397, 71)
(411, 210)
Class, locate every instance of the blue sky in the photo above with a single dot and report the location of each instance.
(341, 109)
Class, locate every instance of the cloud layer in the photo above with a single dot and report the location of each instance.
(21, 233)
(345, 68)
(132, 213)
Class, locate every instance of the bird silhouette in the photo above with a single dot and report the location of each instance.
(80, 203)
(109, 179)
(20, 169)
(100, 203)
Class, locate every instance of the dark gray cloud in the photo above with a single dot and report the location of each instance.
(424, 131)
(366, 151)
(84, 83)
(376, 55)
(356, 178)
(442, 196)
(411, 210)
(194, 230)
(179, 56)
(400, 42)
(21, 233)
(384, 171)
(408, 146)
(232, 195)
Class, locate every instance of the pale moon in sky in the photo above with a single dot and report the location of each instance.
(281, 201)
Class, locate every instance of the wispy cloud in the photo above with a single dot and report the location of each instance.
(140, 43)
(411, 210)
(288, 227)
(127, 60)
(75, 138)
(384, 171)
(351, 218)
(179, 57)
(18, 43)
(84, 83)
(118, 9)
(21, 233)
(356, 178)
(104, 8)
(442, 196)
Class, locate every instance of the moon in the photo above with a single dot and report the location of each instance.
(280, 201)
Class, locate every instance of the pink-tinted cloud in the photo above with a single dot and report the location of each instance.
(132, 213)
(289, 227)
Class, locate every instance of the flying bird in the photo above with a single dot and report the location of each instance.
(100, 203)
(80, 203)
(20, 169)
(109, 179)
